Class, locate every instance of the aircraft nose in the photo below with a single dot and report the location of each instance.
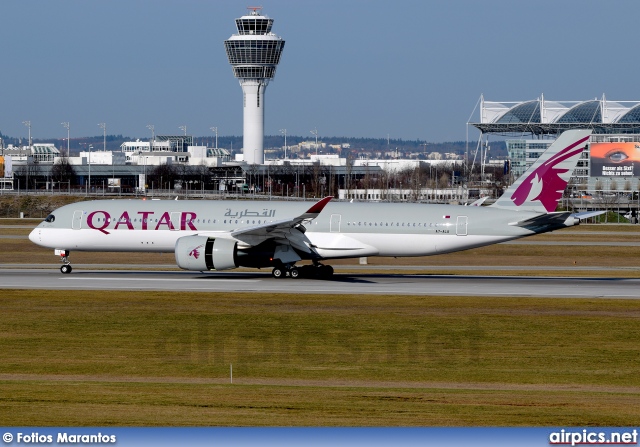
(34, 236)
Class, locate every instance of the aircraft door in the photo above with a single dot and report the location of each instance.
(175, 221)
(335, 223)
(461, 226)
(76, 223)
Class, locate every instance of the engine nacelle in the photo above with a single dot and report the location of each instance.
(206, 253)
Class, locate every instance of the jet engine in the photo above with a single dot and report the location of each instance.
(206, 253)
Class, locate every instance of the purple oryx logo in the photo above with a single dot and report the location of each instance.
(195, 253)
(545, 184)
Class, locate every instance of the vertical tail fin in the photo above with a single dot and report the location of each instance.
(541, 187)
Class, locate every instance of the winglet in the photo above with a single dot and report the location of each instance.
(319, 205)
(268, 230)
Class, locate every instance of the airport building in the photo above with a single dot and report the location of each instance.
(612, 159)
(173, 162)
(254, 53)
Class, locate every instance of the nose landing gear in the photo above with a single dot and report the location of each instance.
(64, 258)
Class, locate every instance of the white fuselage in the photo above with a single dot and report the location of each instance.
(341, 230)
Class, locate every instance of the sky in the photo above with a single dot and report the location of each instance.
(408, 69)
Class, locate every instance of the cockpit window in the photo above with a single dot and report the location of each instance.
(50, 218)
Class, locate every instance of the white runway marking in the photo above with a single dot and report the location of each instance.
(160, 279)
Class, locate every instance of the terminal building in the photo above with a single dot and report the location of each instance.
(612, 159)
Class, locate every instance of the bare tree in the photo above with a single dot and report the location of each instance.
(202, 174)
(415, 184)
(27, 173)
(62, 171)
(164, 174)
(316, 175)
(349, 168)
(598, 185)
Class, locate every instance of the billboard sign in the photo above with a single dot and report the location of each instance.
(6, 169)
(615, 159)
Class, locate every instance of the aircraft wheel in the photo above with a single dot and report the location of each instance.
(294, 273)
(277, 272)
(326, 271)
(66, 269)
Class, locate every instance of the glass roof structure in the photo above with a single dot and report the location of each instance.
(586, 112)
(632, 116)
(528, 112)
(255, 51)
(543, 117)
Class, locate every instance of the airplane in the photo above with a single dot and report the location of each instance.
(207, 235)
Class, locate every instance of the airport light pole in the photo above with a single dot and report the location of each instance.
(28, 124)
(315, 132)
(104, 130)
(89, 163)
(284, 131)
(184, 128)
(67, 126)
(152, 128)
(215, 129)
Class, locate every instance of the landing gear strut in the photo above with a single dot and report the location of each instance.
(64, 258)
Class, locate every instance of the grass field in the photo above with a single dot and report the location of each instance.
(75, 358)
(83, 358)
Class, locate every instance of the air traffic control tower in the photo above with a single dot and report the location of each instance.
(254, 54)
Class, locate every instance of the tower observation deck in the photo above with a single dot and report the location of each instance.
(254, 54)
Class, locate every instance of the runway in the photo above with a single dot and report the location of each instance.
(343, 283)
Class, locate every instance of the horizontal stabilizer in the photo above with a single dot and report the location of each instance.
(549, 219)
(587, 214)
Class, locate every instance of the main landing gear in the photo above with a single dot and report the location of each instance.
(316, 270)
(64, 258)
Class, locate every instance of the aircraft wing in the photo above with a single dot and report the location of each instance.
(279, 228)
